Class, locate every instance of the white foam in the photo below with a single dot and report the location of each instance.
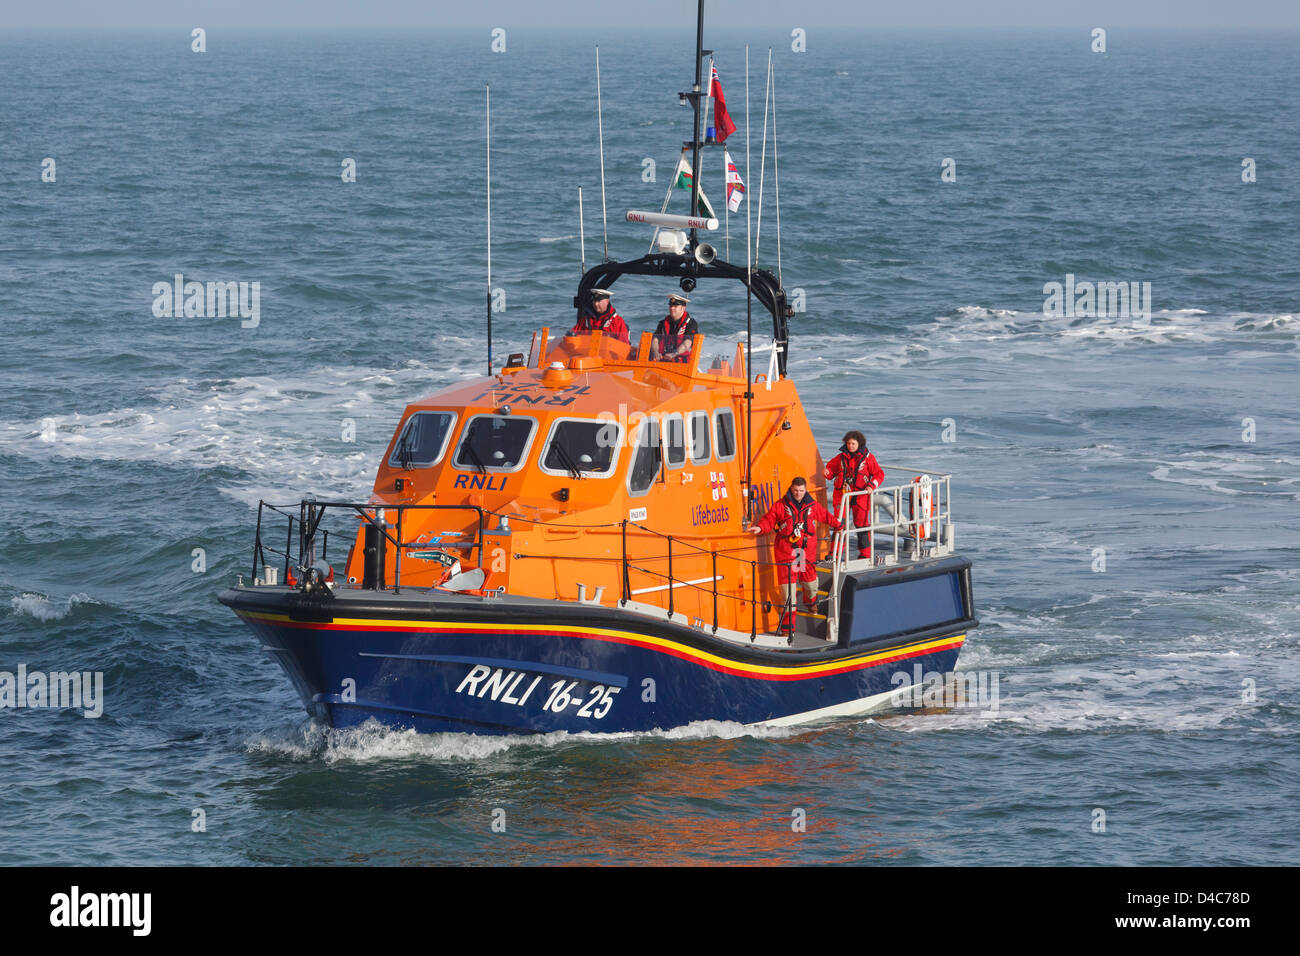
(1266, 475)
(969, 323)
(287, 433)
(42, 608)
(1108, 702)
(373, 741)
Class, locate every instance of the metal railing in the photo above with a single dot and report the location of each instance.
(307, 525)
(708, 585)
(312, 512)
(902, 529)
(924, 534)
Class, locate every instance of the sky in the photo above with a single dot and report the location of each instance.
(586, 15)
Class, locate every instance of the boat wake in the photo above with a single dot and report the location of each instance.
(373, 741)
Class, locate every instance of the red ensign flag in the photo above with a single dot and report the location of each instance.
(721, 118)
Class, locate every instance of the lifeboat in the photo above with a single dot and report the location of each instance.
(562, 546)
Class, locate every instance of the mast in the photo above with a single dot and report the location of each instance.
(487, 119)
(695, 102)
(749, 325)
(686, 267)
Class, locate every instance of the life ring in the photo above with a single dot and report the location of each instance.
(921, 505)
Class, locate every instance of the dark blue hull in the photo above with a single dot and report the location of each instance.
(480, 667)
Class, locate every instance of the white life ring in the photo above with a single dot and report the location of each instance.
(921, 504)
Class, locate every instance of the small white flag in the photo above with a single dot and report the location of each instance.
(735, 185)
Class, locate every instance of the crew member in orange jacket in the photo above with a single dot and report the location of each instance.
(603, 319)
(855, 469)
(794, 519)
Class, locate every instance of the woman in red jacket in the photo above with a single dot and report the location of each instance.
(794, 519)
(856, 469)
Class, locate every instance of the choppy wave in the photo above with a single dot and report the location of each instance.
(285, 434)
(40, 607)
(1164, 326)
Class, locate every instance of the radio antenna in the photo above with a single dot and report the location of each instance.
(762, 163)
(600, 128)
(776, 178)
(582, 237)
(488, 121)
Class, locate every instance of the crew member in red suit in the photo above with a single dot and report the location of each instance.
(856, 469)
(603, 319)
(676, 333)
(794, 519)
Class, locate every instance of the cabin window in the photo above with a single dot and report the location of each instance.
(495, 442)
(675, 440)
(423, 440)
(645, 458)
(582, 445)
(725, 423)
(700, 449)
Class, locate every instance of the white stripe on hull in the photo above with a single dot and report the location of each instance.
(850, 708)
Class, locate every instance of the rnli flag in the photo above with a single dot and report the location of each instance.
(685, 176)
(721, 118)
(735, 185)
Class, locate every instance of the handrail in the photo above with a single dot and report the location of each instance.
(714, 553)
(940, 520)
(314, 511)
(940, 517)
(376, 515)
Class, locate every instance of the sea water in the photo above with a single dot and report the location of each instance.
(1125, 484)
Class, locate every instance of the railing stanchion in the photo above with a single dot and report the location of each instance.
(898, 517)
(257, 539)
(397, 571)
(788, 605)
(670, 577)
(288, 546)
(715, 591)
(627, 579)
(753, 600)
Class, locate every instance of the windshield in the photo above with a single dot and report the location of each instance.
(495, 442)
(584, 446)
(423, 441)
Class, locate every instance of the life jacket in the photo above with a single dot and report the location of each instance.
(597, 323)
(850, 468)
(671, 336)
(794, 526)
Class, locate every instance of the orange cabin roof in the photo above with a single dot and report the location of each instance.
(695, 490)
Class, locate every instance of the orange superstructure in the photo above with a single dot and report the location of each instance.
(572, 543)
(652, 464)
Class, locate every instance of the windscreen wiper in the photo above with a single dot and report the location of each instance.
(478, 462)
(404, 450)
(568, 461)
